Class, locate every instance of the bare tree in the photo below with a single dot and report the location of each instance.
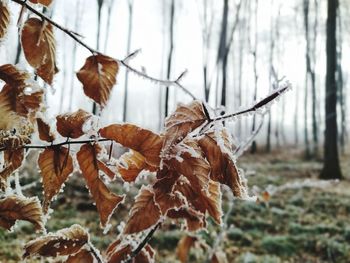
(310, 75)
(331, 167)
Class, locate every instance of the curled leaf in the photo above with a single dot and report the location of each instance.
(143, 141)
(14, 207)
(45, 133)
(18, 95)
(144, 213)
(119, 252)
(71, 124)
(13, 160)
(106, 201)
(64, 242)
(218, 152)
(56, 165)
(39, 47)
(184, 120)
(4, 18)
(98, 76)
(130, 165)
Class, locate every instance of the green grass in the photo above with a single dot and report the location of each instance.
(297, 225)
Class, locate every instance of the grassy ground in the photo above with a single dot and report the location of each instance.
(305, 224)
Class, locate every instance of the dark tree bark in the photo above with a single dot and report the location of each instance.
(222, 52)
(342, 93)
(331, 167)
(170, 54)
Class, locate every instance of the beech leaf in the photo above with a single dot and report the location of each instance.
(71, 124)
(106, 201)
(64, 242)
(39, 47)
(15, 207)
(56, 165)
(98, 76)
(144, 213)
(140, 140)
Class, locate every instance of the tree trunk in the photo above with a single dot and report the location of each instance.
(170, 54)
(331, 166)
(222, 52)
(99, 9)
(128, 49)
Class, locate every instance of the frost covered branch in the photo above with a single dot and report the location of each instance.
(31, 146)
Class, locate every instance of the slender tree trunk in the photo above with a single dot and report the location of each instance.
(223, 54)
(272, 47)
(99, 9)
(170, 54)
(128, 49)
(255, 52)
(331, 166)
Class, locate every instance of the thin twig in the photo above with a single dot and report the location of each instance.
(144, 242)
(95, 253)
(122, 62)
(258, 106)
(31, 146)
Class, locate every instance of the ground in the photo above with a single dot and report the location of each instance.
(300, 222)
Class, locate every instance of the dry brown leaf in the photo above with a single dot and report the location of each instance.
(209, 201)
(130, 165)
(98, 76)
(144, 213)
(83, 256)
(106, 201)
(64, 242)
(13, 160)
(183, 247)
(194, 220)
(4, 18)
(185, 119)
(15, 207)
(56, 165)
(118, 252)
(17, 95)
(192, 164)
(43, 2)
(219, 257)
(45, 133)
(71, 124)
(140, 140)
(223, 167)
(163, 191)
(39, 47)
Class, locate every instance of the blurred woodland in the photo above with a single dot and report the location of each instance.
(290, 146)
